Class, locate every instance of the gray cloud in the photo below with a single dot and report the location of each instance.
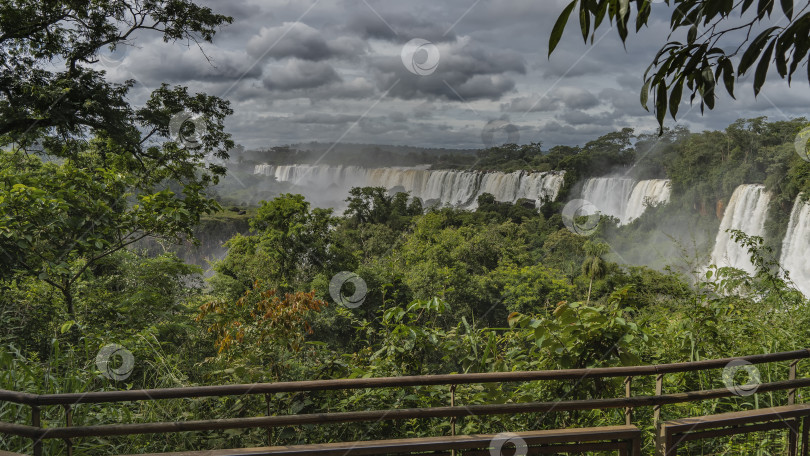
(156, 62)
(397, 26)
(300, 74)
(324, 118)
(299, 40)
(465, 72)
(553, 100)
(328, 63)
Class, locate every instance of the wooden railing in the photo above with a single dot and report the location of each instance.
(38, 434)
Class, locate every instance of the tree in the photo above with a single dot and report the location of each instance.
(289, 243)
(712, 46)
(57, 220)
(594, 265)
(84, 173)
(38, 102)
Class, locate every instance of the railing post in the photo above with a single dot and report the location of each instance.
(792, 376)
(453, 418)
(36, 421)
(627, 410)
(69, 423)
(453, 404)
(659, 441)
(793, 435)
(269, 413)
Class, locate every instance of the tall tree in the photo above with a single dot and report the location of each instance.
(84, 173)
(594, 266)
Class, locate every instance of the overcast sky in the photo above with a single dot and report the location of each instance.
(333, 70)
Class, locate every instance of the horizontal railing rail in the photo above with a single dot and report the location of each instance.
(629, 402)
(96, 397)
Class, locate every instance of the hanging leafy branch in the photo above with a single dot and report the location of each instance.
(713, 51)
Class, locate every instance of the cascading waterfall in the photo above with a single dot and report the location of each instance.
(646, 192)
(796, 246)
(448, 187)
(625, 198)
(608, 194)
(746, 212)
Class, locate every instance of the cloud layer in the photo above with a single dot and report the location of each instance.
(320, 71)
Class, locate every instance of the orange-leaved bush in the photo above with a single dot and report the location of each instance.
(260, 316)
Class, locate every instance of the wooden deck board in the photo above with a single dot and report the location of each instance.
(737, 418)
(459, 442)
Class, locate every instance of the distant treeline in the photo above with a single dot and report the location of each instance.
(367, 155)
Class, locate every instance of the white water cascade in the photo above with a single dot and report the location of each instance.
(746, 212)
(448, 187)
(646, 192)
(796, 246)
(625, 198)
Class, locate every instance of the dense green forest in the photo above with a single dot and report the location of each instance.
(96, 195)
(504, 287)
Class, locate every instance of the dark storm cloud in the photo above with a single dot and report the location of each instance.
(354, 89)
(299, 40)
(577, 117)
(314, 70)
(465, 72)
(553, 100)
(397, 117)
(300, 74)
(398, 26)
(324, 118)
(156, 62)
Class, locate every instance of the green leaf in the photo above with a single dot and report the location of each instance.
(645, 94)
(762, 68)
(66, 326)
(559, 26)
(624, 9)
(584, 23)
(787, 8)
(750, 55)
(661, 103)
(691, 36)
(728, 76)
(675, 97)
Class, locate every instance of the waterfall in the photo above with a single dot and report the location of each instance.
(646, 192)
(608, 194)
(448, 187)
(746, 212)
(796, 246)
(624, 198)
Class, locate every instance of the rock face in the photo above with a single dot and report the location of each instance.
(719, 209)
